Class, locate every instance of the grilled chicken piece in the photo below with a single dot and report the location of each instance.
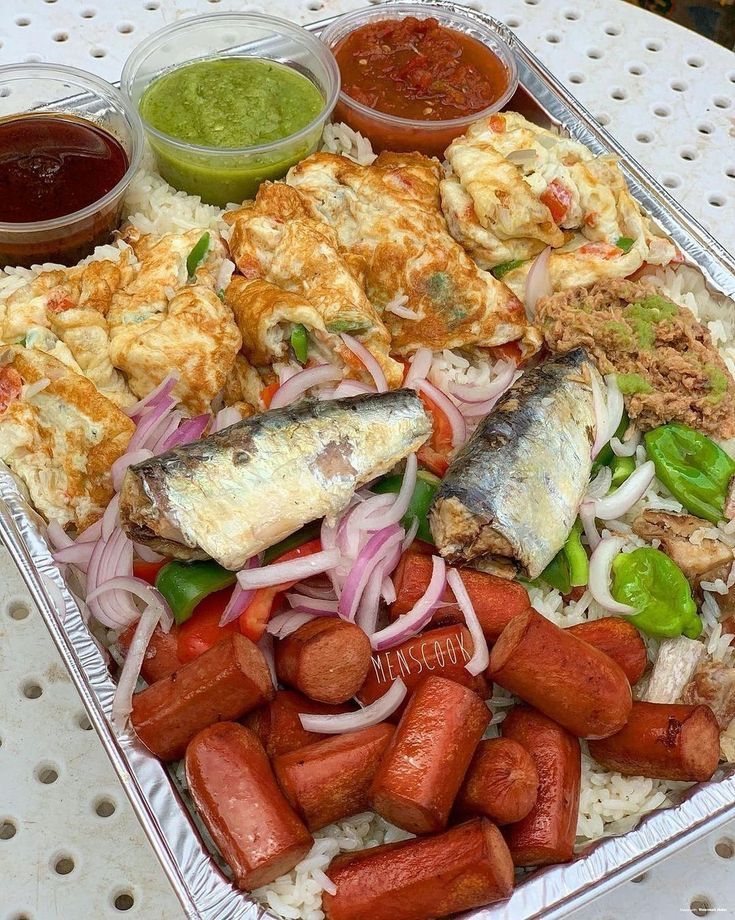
(713, 684)
(707, 560)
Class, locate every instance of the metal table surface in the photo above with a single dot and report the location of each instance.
(70, 847)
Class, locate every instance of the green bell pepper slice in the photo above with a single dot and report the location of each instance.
(621, 468)
(427, 485)
(570, 568)
(186, 584)
(607, 455)
(348, 325)
(198, 252)
(506, 267)
(308, 532)
(625, 243)
(649, 581)
(300, 343)
(693, 468)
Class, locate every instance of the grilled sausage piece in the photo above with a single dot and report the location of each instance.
(327, 659)
(330, 780)
(496, 600)
(501, 783)
(238, 799)
(162, 655)
(443, 652)
(546, 834)
(619, 640)
(423, 768)
(278, 726)
(569, 680)
(227, 681)
(663, 741)
(467, 866)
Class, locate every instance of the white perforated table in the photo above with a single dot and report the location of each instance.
(70, 847)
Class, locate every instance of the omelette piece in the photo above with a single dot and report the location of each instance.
(294, 271)
(389, 216)
(63, 312)
(163, 321)
(243, 388)
(62, 441)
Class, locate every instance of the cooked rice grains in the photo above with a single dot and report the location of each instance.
(610, 803)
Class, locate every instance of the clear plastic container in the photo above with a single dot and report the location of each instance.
(390, 132)
(48, 89)
(223, 175)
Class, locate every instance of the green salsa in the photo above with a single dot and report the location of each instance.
(230, 104)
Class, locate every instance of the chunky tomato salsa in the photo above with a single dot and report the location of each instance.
(416, 68)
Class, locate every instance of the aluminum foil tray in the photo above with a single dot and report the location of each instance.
(204, 892)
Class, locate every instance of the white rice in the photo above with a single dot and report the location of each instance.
(340, 138)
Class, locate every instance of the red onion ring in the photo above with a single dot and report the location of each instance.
(129, 458)
(122, 701)
(447, 407)
(278, 573)
(480, 656)
(189, 430)
(226, 417)
(599, 582)
(538, 282)
(164, 389)
(623, 498)
(628, 446)
(298, 384)
(371, 365)
(283, 624)
(602, 419)
(587, 517)
(418, 616)
(337, 723)
(376, 548)
(419, 367)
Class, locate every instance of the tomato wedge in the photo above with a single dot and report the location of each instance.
(434, 454)
(268, 393)
(557, 198)
(148, 571)
(254, 618)
(202, 630)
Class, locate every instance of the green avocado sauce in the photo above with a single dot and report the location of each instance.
(717, 380)
(230, 104)
(630, 384)
(645, 315)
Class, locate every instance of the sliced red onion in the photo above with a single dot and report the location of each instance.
(615, 405)
(110, 559)
(129, 458)
(480, 656)
(360, 519)
(167, 426)
(266, 646)
(230, 415)
(403, 312)
(628, 446)
(91, 534)
(337, 723)
(600, 564)
(393, 514)
(602, 419)
(312, 591)
(471, 393)
(298, 384)
(600, 485)
(278, 573)
(473, 410)
(419, 367)
(122, 702)
(376, 548)
(622, 499)
(538, 283)
(155, 396)
(146, 553)
(321, 606)
(110, 517)
(388, 590)
(587, 517)
(190, 430)
(352, 388)
(136, 586)
(445, 405)
(145, 431)
(419, 615)
(33, 389)
(369, 608)
(57, 536)
(283, 624)
(371, 365)
(410, 534)
(240, 598)
(79, 554)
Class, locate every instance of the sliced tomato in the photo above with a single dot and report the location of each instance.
(254, 618)
(148, 571)
(557, 198)
(434, 454)
(202, 630)
(435, 462)
(11, 385)
(497, 123)
(508, 351)
(602, 249)
(268, 393)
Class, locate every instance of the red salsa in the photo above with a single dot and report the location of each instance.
(418, 69)
(53, 165)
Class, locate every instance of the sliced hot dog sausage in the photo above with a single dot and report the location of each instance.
(569, 680)
(442, 652)
(278, 726)
(467, 866)
(663, 741)
(496, 600)
(426, 761)
(238, 799)
(619, 640)
(501, 783)
(330, 780)
(161, 657)
(228, 680)
(546, 834)
(326, 658)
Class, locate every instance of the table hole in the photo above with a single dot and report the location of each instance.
(5, 91)
(594, 53)
(104, 807)
(32, 59)
(60, 36)
(151, 5)
(701, 906)
(22, 21)
(705, 128)
(46, 773)
(576, 78)
(679, 86)
(619, 93)
(512, 22)
(98, 52)
(731, 77)
(602, 119)
(475, 5)
(8, 830)
(695, 62)
(662, 111)
(314, 5)
(670, 181)
(640, 878)
(125, 28)
(553, 38)
(83, 722)
(613, 30)
(571, 15)
(725, 848)
(64, 865)
(124, 900)
(32, 690)
(730, 172)
(89, 13)
(717, 201)
(531, 2)
(688, 153)
(653, 45)
(26, 916)
(17, 610)
(643, 137)
(722, 102)
(636, 69)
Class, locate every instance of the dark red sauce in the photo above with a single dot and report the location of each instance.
(53, 165)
